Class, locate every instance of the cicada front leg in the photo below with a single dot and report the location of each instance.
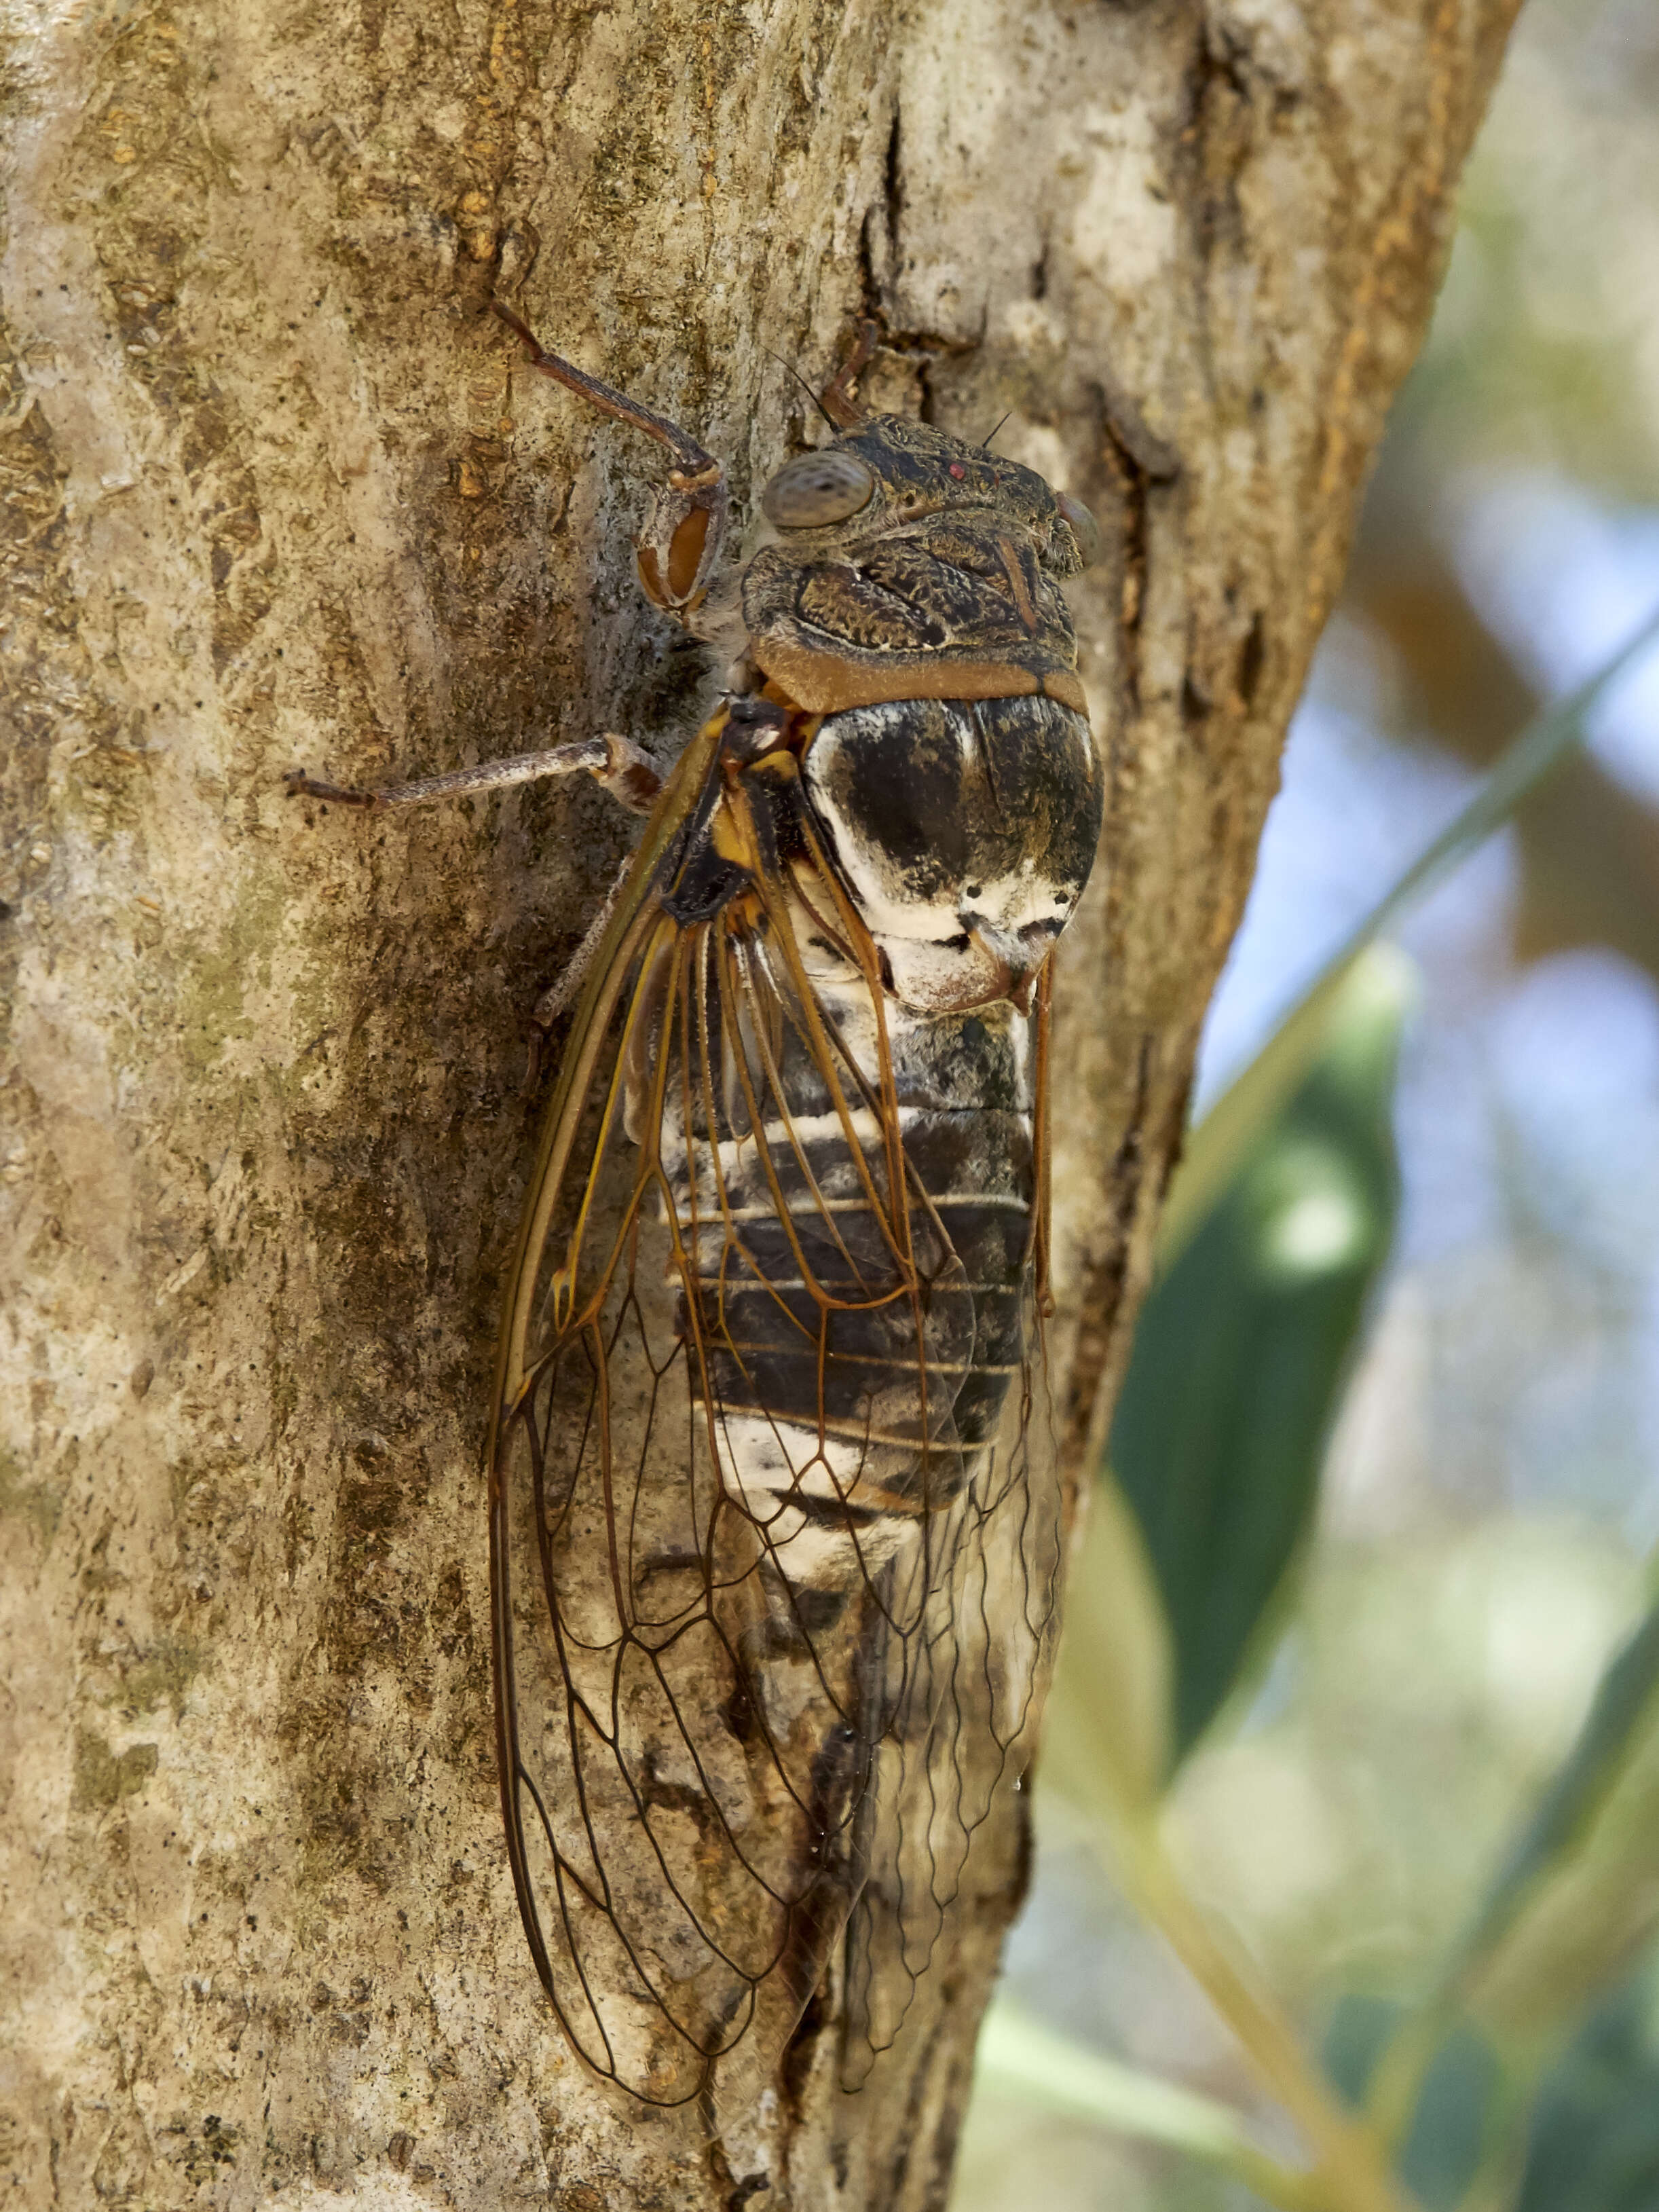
(680, 548)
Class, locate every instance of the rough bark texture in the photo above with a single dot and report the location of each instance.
(276, 494)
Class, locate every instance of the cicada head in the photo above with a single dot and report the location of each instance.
(906, 564)
(910, 598)
(890, 472)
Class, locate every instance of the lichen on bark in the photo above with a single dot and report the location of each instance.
(278, 495)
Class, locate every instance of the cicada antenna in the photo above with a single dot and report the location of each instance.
(689, 458)
(789, 369)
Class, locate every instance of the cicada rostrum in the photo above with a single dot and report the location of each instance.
(775, 1522)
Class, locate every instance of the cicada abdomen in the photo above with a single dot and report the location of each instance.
(776, 1532)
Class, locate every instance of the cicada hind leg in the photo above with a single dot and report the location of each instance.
(616, 764)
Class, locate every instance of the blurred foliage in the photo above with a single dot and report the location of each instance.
(1214, 1463)
(1543, 346)
(1243, 1344)
(1622, 1723)
(1027, 2059)
(1236, 1369)
(1447, 2136)
(1593, 2145)
(1544, 359)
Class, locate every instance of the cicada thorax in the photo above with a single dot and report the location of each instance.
(964, 830)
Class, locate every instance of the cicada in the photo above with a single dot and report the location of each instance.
(774, 1519)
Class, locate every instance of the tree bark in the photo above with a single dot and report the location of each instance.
(278, 494)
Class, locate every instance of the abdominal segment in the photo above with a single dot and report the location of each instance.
(856, 1348)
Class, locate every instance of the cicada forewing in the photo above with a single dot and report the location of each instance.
(773, 1530)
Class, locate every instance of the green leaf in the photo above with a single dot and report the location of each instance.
(1612, 1760)
(1244, 1344)
(1577, 1891)
(1456, 2102)
(1592, 2144)
(1019, 2054)
(1216, 1147)
(1023, 2057)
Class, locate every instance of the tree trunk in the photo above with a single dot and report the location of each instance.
(278, 494)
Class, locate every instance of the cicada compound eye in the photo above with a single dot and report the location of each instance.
(817, 488)
(1083, 526)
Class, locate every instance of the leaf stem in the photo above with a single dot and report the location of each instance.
(1029, 2059)
(1351, 2170)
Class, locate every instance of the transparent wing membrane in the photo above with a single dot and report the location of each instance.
(775, 1522)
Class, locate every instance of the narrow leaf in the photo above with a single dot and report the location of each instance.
(1215, 1147)
(1593, 2143)
(1023, 2057)
(1244, 1345)
(1617, 1730)
(1577, 1893)
(1106, 1746)
(1455, 2100)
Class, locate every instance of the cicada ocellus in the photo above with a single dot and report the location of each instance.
(775, 1522)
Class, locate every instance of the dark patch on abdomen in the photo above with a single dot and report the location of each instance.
(762, 1325)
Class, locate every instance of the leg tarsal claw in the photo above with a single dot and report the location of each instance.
(681, 547)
